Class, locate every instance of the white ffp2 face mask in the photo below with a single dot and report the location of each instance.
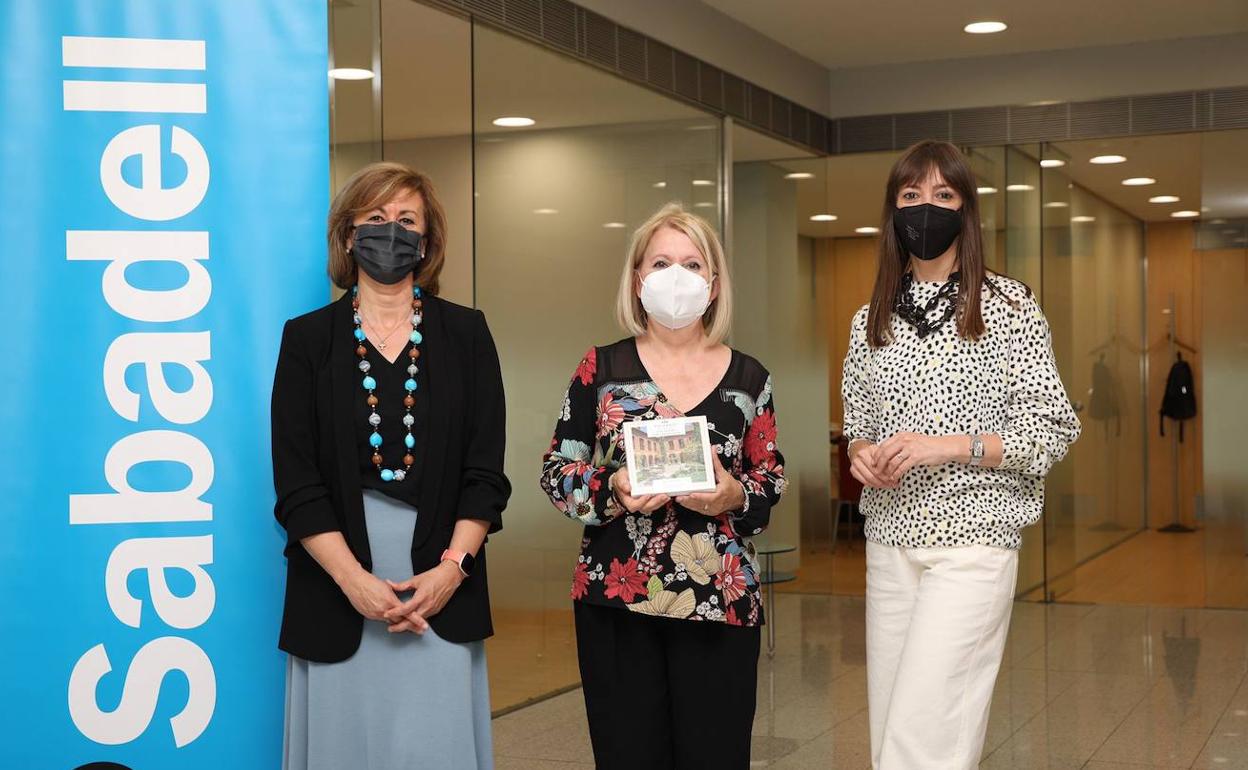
(675, 296)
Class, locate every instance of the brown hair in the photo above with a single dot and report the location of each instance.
(375, 185)
(915, 165)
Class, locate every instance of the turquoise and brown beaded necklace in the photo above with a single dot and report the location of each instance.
(370, 385)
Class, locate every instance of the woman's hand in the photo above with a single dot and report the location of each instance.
(862, 466)
(623, 488)
(433, 589)
(369, 594)
(728, 494)
(903, 451)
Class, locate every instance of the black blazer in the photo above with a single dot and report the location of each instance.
(316, 471)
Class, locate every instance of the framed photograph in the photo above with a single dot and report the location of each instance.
(669, 456)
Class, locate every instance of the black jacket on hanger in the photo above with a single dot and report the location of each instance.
(316, 467)
(1179, 400)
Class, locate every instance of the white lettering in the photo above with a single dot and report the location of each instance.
(124, 248)
(130, 506)
(149, 200)
(141, 691)
(153, 350)
(155, 555)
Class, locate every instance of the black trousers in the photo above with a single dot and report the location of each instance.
(665, 694)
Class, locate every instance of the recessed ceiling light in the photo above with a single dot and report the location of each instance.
(1019, 187)
(350, 73)
(545, 211)
(1105, 160)
(823, 218)
(1052, 163)
(703, 183)
(1217, 221)
(615, 225)
(1083, 219)
(1184, 214)
(800, 175)
(513, 122)
(985, 190)
(1056, 205)
(703, 205)
(984, 27)
(1139, 181)
(866, 230)
(1164, 199)
(659, 185)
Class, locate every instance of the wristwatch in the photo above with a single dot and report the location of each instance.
(977, 450)
(464, 561)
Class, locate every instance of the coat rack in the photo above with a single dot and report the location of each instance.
(1173, 345)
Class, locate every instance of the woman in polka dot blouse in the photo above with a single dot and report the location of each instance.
(955, 412)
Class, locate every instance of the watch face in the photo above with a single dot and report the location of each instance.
(467, 564)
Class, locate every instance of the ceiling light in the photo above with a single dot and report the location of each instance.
(985, 190)
(659, 185)
(1105, 160)
(984, 27)
(1056, 205)
(615, 225)
(823, 218)
(1164, 199)
(1083, 219)
(545, 211)
(1230, 230)
(513, 122)
(703, 183)
(1019, 187)
(1184, 214)
(703, 205)
(866, 230)
(1217, 221)
(1052, 163)
(1139, 181)
(800, 175)
(350, 73)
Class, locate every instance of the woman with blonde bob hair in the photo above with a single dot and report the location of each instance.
(662, 689)
(388, 465)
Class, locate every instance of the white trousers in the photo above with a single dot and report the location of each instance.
(936, 627)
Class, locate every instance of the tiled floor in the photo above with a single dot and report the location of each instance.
(1081, 687)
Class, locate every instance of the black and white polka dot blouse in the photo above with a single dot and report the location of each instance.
(1005, 383)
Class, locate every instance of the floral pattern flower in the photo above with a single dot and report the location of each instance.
(731, 578)
(666, 604)
(580, 580)
(610, 415)
(697, 554)
(760, 441)
(588, 366)
(674, 562)
(625, 581)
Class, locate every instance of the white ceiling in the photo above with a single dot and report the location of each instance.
(854, 33)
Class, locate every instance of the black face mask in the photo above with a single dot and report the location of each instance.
(927, 230)
(388, 252)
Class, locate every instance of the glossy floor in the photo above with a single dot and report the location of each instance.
(1081, 686)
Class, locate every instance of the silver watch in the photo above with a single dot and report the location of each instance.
(977, 449)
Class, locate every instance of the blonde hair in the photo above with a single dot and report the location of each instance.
(375, 185)
(629, 312)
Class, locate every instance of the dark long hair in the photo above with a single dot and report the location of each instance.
(915, 165)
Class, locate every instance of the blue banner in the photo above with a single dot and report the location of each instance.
(165, 184)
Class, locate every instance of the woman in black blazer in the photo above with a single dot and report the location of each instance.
(388, 435)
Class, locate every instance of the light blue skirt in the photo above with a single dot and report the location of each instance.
(402, 701)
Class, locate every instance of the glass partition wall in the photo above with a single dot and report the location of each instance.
(541, 208)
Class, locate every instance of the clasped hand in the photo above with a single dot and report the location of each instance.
(728, 494)
(379, 600)
(883, 465)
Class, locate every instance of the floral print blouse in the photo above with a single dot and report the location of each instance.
(675, 562)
